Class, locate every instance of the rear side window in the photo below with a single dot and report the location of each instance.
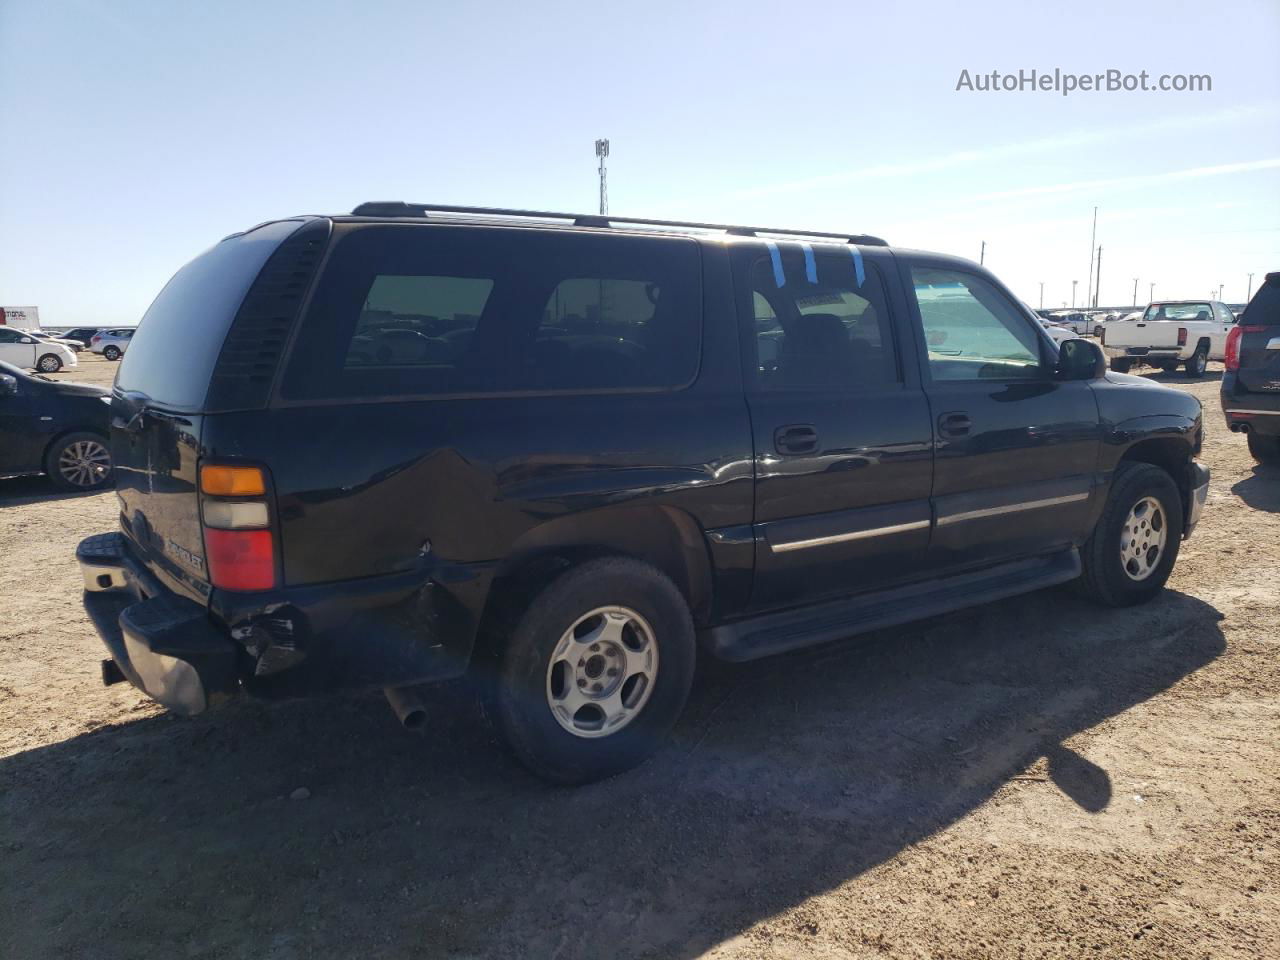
(427, 311)
(819, 321)
(173, 351)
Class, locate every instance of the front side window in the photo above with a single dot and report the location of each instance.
(819, 323)
(455, 310)
(971, 330)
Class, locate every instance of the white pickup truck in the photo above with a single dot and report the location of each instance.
(1168, 334)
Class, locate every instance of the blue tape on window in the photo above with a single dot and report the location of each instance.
(810, 265)
(857, 264)
(779, 277)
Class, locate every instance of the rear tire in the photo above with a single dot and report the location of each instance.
(564, 651)
(79, 461)
(1198, 363)
(1264, 449)
(111, 353)
(1132, 550)
(49, 363)
(1121, 365)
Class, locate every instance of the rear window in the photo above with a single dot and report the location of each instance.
(1196, 310)
(427, 311)
(173, 351)
(1264, 309)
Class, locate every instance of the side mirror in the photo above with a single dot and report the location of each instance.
(27, 340)
(1081, 360)
(8, 385)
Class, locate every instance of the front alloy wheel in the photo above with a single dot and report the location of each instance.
(1134, 545)
(49, 364)
(1143, 538)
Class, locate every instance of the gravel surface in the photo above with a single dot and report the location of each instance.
(1038, 777)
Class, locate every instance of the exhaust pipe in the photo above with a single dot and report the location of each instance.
(407, 706)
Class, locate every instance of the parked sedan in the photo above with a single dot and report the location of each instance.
(75, 346)
(111, 343)
(28, 352)
(54, 427)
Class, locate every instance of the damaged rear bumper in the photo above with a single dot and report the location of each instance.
(164, 644)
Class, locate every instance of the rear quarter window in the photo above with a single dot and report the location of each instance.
(404, 311)
(173, 351)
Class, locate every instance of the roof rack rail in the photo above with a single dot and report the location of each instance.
(398, 208)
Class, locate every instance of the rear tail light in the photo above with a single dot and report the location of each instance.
(96, 340)
(1102, 336)
(1182, 336)
(1232, 357)
(239, 542)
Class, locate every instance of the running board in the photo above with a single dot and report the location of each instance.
(773, 633)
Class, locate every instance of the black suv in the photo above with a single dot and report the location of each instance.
(561, 453)
(1251, 384)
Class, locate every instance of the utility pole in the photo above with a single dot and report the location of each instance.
(602, 151)
(1093, 238)
(1135, 291)
(1073, 289)
(1098, 279)
(1220, 286)
(1042, 292)
(982, 255)
(1249, 293)
(1151, 292)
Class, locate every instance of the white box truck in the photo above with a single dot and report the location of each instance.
(24, 318)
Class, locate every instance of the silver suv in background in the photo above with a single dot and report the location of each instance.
(111, 343)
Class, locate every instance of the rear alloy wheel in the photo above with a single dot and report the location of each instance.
(111, 353)
(1132, 550)
(1264, 449)
(1121, 364)
(1198, 363)
(79, 461)
(596, 671)
(49, 363)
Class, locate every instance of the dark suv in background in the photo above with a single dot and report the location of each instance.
(1251, 384)
(560, 452)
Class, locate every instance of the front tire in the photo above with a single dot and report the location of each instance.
(1264, 449)
(596, 671)
(1133, 547)
(49, 363)
(1198, 363)
(111, 353)
(79, 461)
(1121, 364)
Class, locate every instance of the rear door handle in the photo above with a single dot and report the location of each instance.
(954, 425)
(795, 438)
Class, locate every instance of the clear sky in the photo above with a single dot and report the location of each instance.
(138, 133)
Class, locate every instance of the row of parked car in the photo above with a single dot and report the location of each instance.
(49, 352)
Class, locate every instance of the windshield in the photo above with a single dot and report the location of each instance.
(1190, 310)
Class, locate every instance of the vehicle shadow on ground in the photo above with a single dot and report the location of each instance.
(1261, 490)
(23, 491)
(1178, 376)
(786, 778)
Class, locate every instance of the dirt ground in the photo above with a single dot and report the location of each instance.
(1038, 777)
